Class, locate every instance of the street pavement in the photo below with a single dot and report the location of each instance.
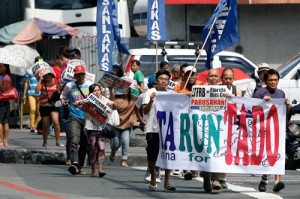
(26, 148)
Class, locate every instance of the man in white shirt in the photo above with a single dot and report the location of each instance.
(152, 129)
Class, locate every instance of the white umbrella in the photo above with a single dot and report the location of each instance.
(25, 52)
(16, 64)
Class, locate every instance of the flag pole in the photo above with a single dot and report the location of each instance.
(156, 46)
(212, 25)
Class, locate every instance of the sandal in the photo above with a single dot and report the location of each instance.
(152, 187)
(170, 188)
(101, 174)
(82, 172)
(94, 175)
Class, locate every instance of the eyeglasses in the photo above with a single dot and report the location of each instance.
(164, 79)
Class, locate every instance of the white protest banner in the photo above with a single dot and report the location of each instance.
(97, 109)
(209, 97)
(249, 137)
(41, 68)
(118, 83)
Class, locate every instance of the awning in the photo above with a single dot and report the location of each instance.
(238, 1)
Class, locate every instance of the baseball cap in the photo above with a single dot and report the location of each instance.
(151, 81)
(263, 67)
(79, 69)
(189, 68)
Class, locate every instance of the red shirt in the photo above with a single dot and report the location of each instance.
(57, 72)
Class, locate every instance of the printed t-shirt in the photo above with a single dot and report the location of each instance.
(262, 92)
(72, 94)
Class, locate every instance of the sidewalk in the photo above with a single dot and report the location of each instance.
(26, 148)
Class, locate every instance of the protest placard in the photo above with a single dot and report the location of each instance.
(247, 137)
(41, 68)
(171, 85)
(97, 110)
(209, 97)
(68, 74)
(118, 83)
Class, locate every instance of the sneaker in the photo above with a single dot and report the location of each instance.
(59, 145)
(73, 169)
(216, 185)
(147, 177)
(223, 183)
(33, 130)
(188, 176)
(157, 178)
(262, 187)
(176, 172)
(207, 184)
(278, 186)
(44, 146)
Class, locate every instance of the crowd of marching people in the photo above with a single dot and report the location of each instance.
(84, 135)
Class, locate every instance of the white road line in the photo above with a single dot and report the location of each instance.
(243, 190)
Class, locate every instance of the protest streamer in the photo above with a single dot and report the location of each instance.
(225, 29)
(108, 32)
(110, 80)
(220, 32)
(156, 24)
(247, 137)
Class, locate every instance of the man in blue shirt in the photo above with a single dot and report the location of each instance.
(73, 95)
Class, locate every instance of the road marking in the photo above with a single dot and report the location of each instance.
(243, 190)
(29, 190)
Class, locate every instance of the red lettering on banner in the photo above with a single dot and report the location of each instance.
(257, 111)
(272, 157)
(230, 115)
(265, 134)
(242, 144)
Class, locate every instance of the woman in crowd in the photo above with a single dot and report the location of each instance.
(96, 139)
(5, 84)
(125, 105)
(47, 86)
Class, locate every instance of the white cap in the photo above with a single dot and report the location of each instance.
(189, 68)
(263, 67)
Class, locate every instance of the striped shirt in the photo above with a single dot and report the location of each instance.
(32, 82)
(50, 90)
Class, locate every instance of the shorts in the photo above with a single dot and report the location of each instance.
(4, 112)
(152, 146)
(47, 110)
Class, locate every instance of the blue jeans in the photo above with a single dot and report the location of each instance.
(122, 139)
(77, 137)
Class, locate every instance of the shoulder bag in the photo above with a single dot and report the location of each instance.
(9, 94)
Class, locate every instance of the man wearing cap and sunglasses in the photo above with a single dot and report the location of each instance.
(73, 95)
(258, 79)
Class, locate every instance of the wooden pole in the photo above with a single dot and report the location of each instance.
(200, 52)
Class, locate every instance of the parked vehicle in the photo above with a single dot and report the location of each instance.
(147, 57)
